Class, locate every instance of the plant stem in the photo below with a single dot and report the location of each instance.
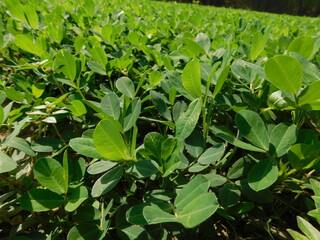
(57, 131)
(4, 178)
(134, 140)
(102, 214)
(58, 85)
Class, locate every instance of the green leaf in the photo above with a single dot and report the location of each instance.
(108, 141)
(1, 115)
(212, 154)
(40, 200)
(303, 45)
(315, 186)
(229, 195)
(56, 32)
(171, 164)
(203, 41)
(258, 43)
(77, 108)
(159, 101)
(170, 156)
(191, 78)
(252, 127)
(158, 194)
(310, 71)
(84, 231)
(21, 145)
(77, 171)
(279, 100)
(1, 41)
(16, 131)
(7, 164)
(316, 200)
(100, 167)
(239, 143)
(134, 214)
(77, 196)
(285, 73)
(239, 168)
(154, 214)
(303, 156)
(191, 48)
(16, 9)
(153, 142)
(132, 114)
(97, 67)
(67, 63)
(31, 16)
(3, 96)
(262, 175)
(222, 77)
(310, 231)
(133, 232)
(47, 144)
(296, 235)
(197, 186)
(108, 32)
(283, 136)
(168, 147)
(188, 120)
(315, 213)
(86, 213)
(143, 168)
(14, 95)
(26, 43)
(176, 82)
(99, 55)
(49, 173)
(125, 86)
(198, 210)
(38, 89)
(197, 167)
(85, 146)
(215, 180)
(155, 78)
(110, 105)
(195, 144)
(242, 70)
(134, 38)
(106, 182)
(309, 98)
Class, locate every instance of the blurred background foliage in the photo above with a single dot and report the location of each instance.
(293, 7)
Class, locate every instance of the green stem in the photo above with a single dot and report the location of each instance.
(102, 214)
(291, 172)
(134, 140)
(205, 100)
(111, 85)
(79, 91)
(58, 85)
(204, 122)
(167, 123)
(57, 131)
(40, 129)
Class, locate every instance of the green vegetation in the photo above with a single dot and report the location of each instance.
(152, 120)
(294, 7)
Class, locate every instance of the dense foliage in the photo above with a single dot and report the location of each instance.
(295, 7)
(149, 121)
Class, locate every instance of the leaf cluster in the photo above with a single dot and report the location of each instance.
(147, 121)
